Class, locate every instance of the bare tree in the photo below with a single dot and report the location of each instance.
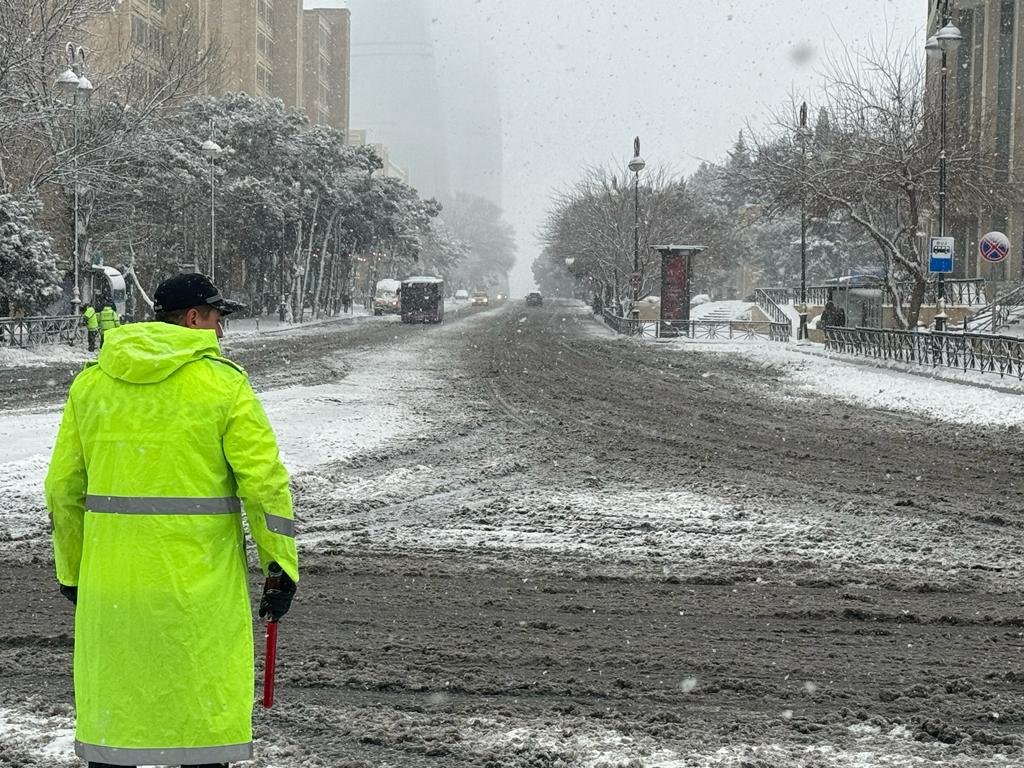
(873, 157)
(592, 224)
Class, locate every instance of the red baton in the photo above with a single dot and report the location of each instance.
(273, 582)
(268, 669)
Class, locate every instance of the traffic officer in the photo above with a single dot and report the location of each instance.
(108, 319)
(162, 445)
(92, 325)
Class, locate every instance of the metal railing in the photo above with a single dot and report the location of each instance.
(959, 293)
(618, 323)
(31, 331)
(1008, 305)
(767, 299)
(742, 330)
(966, 351)
(778, 295)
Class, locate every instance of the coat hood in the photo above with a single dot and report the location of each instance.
(145, 353)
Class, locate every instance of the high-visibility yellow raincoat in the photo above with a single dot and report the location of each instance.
(161, 445)
(92, 321)
(108, 319)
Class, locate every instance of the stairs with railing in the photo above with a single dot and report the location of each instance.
(771, 301)
(1007, 310)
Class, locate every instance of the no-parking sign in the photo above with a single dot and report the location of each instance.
(994, 247)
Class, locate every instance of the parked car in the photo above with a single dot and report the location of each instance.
(534, 299)
(479, 297)
(385, 297)
(462, 295)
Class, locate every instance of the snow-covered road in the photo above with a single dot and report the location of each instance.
(531, 543)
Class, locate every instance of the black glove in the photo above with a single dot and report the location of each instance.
(71, 593)
(277, 594)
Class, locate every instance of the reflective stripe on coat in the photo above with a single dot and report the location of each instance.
(161, 446)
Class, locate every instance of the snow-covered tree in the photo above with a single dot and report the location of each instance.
(592, 224)
(295, 206)
(488, 241)
(29, 278)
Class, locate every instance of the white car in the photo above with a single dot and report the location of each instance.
(462, 295)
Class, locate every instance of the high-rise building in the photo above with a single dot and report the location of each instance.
(469, 87)
(985, 104)
(394, 88)
(325, 66)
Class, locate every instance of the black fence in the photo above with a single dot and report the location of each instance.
(717, 330)
(959, 292)
(31, 331)
(966, 351)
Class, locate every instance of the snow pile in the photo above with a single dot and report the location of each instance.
(588, 745)
(255, 326)
(43, 355)
(862, 383)
(29, 738)
(314, 425)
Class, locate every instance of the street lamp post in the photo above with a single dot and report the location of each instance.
(944, 42)
(636, 165)
(211, 151)
(802, 331)
(75, 85)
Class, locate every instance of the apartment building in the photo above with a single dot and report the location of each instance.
(261, 42)
(985, 104)
(145, 32)
(325, 66)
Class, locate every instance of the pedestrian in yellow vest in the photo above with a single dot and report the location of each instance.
(162, 445)
(108, 319)
(92, 325)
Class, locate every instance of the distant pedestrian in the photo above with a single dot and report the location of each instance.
(92, 325)
(346, 303)
(831, 315)
(107, 319)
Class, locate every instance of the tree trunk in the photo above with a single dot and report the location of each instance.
(323, 261)
(916, 300)
(294, 287)
(309, 256)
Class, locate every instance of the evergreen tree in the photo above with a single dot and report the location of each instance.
(29, 277)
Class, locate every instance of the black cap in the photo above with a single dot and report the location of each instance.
(191, 290)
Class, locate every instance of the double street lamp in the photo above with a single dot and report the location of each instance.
(77, 88)
(939, 46)
(636, 165)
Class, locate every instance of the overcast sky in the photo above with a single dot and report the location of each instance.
(577, 80)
